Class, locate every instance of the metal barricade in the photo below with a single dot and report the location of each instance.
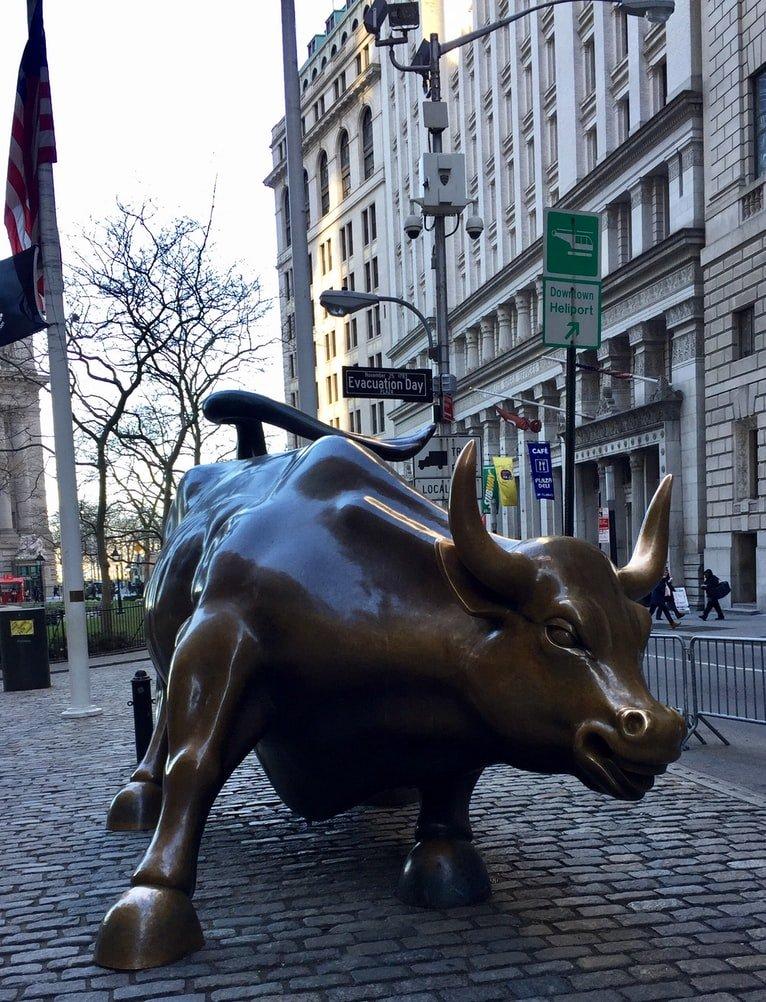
(668, 677)
(730, 677)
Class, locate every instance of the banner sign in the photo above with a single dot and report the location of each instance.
(388, 384)
(506, 483)
(19, 315)
(542, 470)
(488, 489)
(603, 528)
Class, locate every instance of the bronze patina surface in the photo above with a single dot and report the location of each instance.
(312, 607)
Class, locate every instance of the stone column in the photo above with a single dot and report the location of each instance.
(539, 306)
(458, 347)
(615, 393)
(487, 327)
(490, 426)
(545, 393)
(6, 511)
(648, 347)
(523, 329)
(471, 350)
(504, 332)
(530, 506)
(685, 442)
(509, 517)
(641, 198)
(637, 494)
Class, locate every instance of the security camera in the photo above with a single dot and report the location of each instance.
(474, 227)
(413, 225)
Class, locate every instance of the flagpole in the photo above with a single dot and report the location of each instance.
(80, 703)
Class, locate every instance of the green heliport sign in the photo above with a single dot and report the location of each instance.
(572, 246)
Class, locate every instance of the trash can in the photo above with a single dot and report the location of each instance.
(24, 648)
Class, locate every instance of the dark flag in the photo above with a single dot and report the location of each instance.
(19, 315)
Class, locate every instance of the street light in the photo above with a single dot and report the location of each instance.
(115, 557)
(342, 302)
(444, 180)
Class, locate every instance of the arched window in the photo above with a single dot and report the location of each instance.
(306, 84)
(286, 217)
(368, 145)
(306, 197)
(344, 155)
(324, 184)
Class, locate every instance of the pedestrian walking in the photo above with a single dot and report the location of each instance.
(713, 591)
(659, 603)
(670, 598)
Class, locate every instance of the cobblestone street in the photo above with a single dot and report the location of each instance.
(593, 899)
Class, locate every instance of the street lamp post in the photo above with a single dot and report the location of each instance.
(450, 180)
(115, 557)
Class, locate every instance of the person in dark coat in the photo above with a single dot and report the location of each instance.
(659, 603)
(711, 585)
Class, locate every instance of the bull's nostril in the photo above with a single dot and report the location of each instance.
(633, 723)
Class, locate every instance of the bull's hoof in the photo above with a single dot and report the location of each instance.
(148, 927)
(136, 808)
(444, 873)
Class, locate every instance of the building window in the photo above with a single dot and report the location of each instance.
(744, 332)
(346, 241)
(621, 32)
(289, 284)
(589, 66)
(661, 208)
(759, 106)
(550, 61)
(355, 421)
(591, 148)
(286, 217)
(378, 418)
(325, 256)
(344, 153)
(370, 224)
(368, 145)
(623, 119)
(329, 346)
(660, 85)
(752, 463)
(371, 275)
(624, 233)
(350, 333)
(324, 183)
(553, 139)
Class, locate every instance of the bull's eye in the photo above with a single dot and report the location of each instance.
(563, 635)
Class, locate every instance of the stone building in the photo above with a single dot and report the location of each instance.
(578, 106)
(733, 264)
(24, 530)
(346, 206)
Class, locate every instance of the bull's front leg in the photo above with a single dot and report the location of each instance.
(136, 808)
(215, 716)
(444, 870)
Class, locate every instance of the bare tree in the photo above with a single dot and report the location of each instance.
(158, 326)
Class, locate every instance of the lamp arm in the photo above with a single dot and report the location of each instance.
(418, 314)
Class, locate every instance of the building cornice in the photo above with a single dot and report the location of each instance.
(630, 422)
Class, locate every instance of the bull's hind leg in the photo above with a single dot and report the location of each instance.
(215, 716)
(136, 808)
(444, 870)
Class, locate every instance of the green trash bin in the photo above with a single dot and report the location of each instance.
(24, 648)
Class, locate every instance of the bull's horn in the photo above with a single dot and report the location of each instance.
(651, 551)
(508, 574)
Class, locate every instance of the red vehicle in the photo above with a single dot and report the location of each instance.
(12, 590)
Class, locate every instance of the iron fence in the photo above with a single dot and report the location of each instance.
(730, 676)
(666, 670)
(110, 631)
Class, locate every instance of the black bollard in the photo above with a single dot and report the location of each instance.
(143, 716)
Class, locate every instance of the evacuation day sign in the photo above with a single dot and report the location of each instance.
(571, 284)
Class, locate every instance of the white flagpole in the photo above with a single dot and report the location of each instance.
(80, 704)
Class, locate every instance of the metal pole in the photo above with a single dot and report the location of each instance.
(440, 248)
(569, 442)
(80, 704)
(304, 328)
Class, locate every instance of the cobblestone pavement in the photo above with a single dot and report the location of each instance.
(593, 899)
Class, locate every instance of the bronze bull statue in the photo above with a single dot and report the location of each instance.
(312, 607)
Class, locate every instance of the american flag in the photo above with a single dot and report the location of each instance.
(32, 139)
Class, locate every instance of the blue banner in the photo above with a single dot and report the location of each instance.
(542, 470)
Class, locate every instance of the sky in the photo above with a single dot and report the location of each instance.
(156, 99)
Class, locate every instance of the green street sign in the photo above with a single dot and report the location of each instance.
(571, 313)
(572, 244)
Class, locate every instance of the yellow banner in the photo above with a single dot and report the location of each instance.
(505, 481)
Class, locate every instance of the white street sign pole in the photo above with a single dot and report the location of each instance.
(71, 541)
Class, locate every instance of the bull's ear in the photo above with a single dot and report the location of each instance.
(474, 597)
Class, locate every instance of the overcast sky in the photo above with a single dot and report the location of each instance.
(157, 98)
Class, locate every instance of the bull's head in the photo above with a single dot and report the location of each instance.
(559, 681)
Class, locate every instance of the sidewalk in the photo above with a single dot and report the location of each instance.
(593, 899)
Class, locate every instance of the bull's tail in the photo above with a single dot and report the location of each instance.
(248, 411)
